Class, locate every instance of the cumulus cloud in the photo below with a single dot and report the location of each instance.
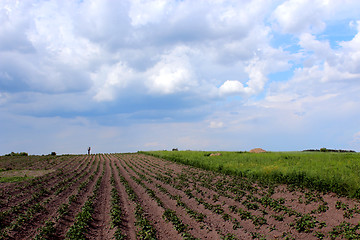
(110, 81)
(323, 91)
(337, 65)
(311, 16)
(320, 48)
(255, 84)
(350, 55)
(295, 16)
(144, 12)
(14, 25)
(86, 54)
(55, 59)
(173, 73)
(265, 61)
(180, 61)
(216, 124)
(231, 87)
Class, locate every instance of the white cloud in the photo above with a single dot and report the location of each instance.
(255, 84)
(296, 16)
(216, 124)
(350, 55)
(109, 81)
(336, 65)
(265, 61)
(300, 16)
(172, 74)
(232, 87)
(333, 73)
(321, 49)
(143, 12)
(256, 72)
(155, 60)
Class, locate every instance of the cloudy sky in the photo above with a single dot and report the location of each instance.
(123, 76)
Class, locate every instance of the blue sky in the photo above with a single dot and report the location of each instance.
(123, 76)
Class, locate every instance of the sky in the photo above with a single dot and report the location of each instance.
(230, 75)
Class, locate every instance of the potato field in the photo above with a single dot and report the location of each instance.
(137, 196)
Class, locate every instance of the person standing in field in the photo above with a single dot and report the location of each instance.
(89, 150)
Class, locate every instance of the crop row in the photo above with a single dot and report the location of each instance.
(169, 214)
(49, 230)
(78, 230)
(12, 196)
(145, 228)
(25, 211)
(250, 200)
(116, 212)
(49, 196)
(143, 197)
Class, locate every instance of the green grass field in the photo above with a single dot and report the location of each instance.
(324, 171)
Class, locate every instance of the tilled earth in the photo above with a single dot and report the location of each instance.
(135, 196)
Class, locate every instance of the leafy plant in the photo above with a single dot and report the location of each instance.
(306, 223)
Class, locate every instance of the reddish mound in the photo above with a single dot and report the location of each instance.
(257, 150)
(215, 154)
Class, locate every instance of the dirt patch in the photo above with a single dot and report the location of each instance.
(257, 150)
(25, 173)
(215, 154)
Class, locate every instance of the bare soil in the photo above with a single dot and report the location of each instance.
(203, 204)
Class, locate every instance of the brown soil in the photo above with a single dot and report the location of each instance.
(51, 203)
(100, 228)
(25, 173)
(229, 206)
(257, 150)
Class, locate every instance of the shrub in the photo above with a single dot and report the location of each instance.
(13, 154)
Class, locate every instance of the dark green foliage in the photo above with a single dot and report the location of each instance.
(13, 154)
(321, 208)
(180, 227)
(83, 219)
(116, 212)
(78, 230)
(63, 210)
(46, 232)
(229, 236)
(306, 223)
(146, 230)
(345, 231)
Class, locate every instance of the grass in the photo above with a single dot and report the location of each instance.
(324, 171)
(13, 179)
(21, 175)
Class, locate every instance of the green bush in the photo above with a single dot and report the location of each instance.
(13, 154)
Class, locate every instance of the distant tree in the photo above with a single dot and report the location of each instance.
(323, 150)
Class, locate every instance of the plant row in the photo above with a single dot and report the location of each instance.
(145, 228)
(237, 190)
